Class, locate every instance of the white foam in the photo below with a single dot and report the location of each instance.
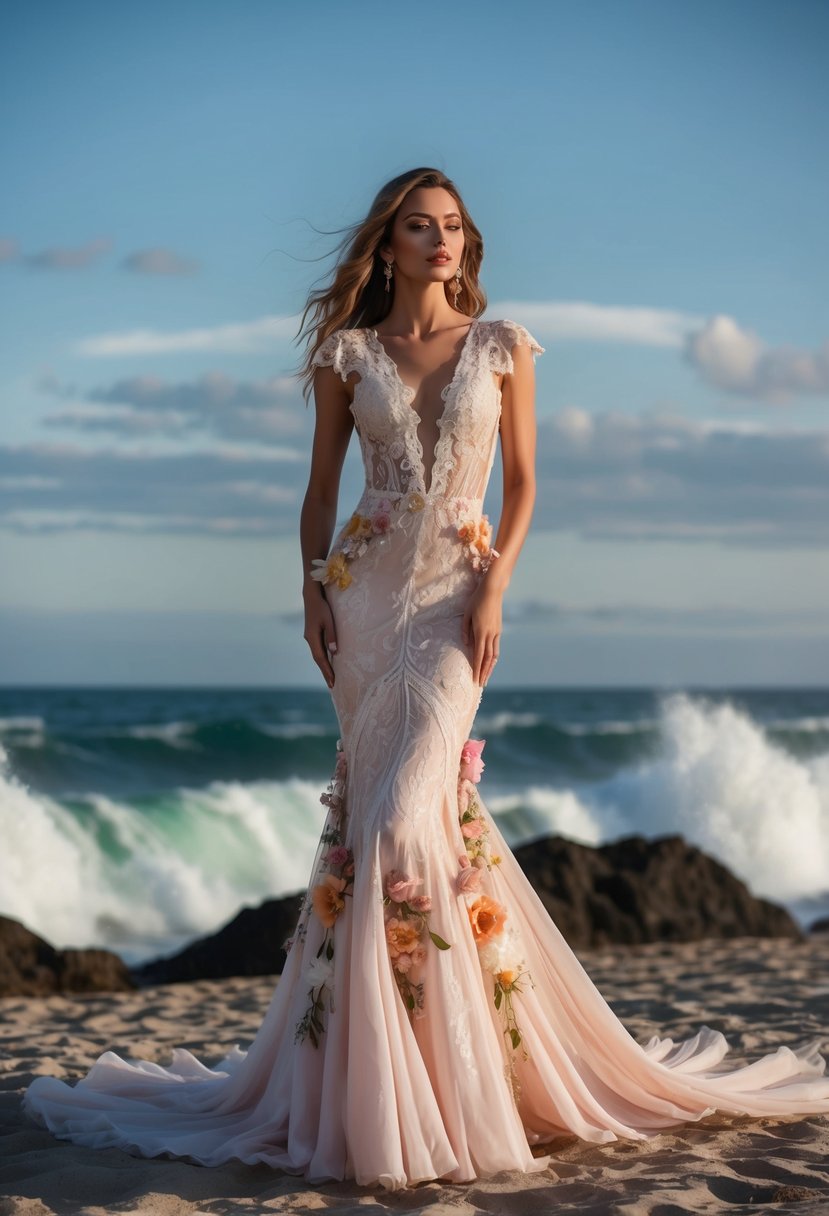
(174, 734)
(609, 728)
(21, 722)
(719, 781)
(175, 872)
(497, 723)
(727, 788)
(538, 811)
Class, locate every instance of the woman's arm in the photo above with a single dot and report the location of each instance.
(482, 621)
(332, 431)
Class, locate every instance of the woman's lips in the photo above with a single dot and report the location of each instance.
(439, 258)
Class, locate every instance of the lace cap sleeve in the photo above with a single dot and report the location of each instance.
(339, 350)
(504, 336)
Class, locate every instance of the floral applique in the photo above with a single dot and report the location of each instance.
(499, 946)
(474, 533)
(473, 825)
(357, 533)
(327, 899)
(407, 930)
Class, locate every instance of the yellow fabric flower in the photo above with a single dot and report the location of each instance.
(334, 570)
(416, 501)
(338, 571)
(358, 525)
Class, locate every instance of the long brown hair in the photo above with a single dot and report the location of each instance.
(356, 295)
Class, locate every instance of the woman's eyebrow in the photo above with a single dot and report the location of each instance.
(426, 216)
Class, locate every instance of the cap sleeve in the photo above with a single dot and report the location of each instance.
(339, 350)
(503, 337)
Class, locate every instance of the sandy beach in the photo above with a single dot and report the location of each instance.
(760, 993)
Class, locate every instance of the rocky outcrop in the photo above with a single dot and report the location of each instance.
(633, 890)
(250, 944)
(638, 890)
(29, 966)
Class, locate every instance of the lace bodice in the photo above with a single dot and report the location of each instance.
(387, 425)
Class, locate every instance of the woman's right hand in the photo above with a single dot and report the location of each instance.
(320, 633)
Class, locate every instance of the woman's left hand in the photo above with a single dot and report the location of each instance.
(482, 627)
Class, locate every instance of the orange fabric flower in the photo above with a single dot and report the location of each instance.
(402, 936)
(327, 899)
(487, 918)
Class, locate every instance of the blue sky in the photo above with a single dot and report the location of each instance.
(651, 183)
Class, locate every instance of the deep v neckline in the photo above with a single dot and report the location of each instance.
(409, 393)
(409, 389)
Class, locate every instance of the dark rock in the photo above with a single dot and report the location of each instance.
(250, 944)
(638, 890)
(820, 926)
(29, 966)
(630, 891)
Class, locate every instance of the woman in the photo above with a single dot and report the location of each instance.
(430, 1021)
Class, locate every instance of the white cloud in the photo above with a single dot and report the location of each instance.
(265, 410)
(579, 320)
(241, 337)
(737, 360)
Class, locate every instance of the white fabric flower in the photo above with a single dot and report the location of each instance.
(502, 953)
(320, 971)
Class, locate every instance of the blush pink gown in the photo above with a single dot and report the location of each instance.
(383, 1056)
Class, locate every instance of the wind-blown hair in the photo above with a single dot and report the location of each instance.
(357, 296)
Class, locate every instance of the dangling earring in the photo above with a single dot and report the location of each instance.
(456, 286)
(387, 273)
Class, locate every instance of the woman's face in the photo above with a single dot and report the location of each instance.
(427, 223)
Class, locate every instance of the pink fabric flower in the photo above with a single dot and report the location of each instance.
(463, 860)
(400, 887)
(380, 523)
(403, 962)
(421, 903)
(418, 955)
(336, 856)
(473, 830)
(468, 879)
(471, 763)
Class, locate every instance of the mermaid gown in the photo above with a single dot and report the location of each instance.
(430, 1020)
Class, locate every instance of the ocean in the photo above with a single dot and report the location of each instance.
(138, 819)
